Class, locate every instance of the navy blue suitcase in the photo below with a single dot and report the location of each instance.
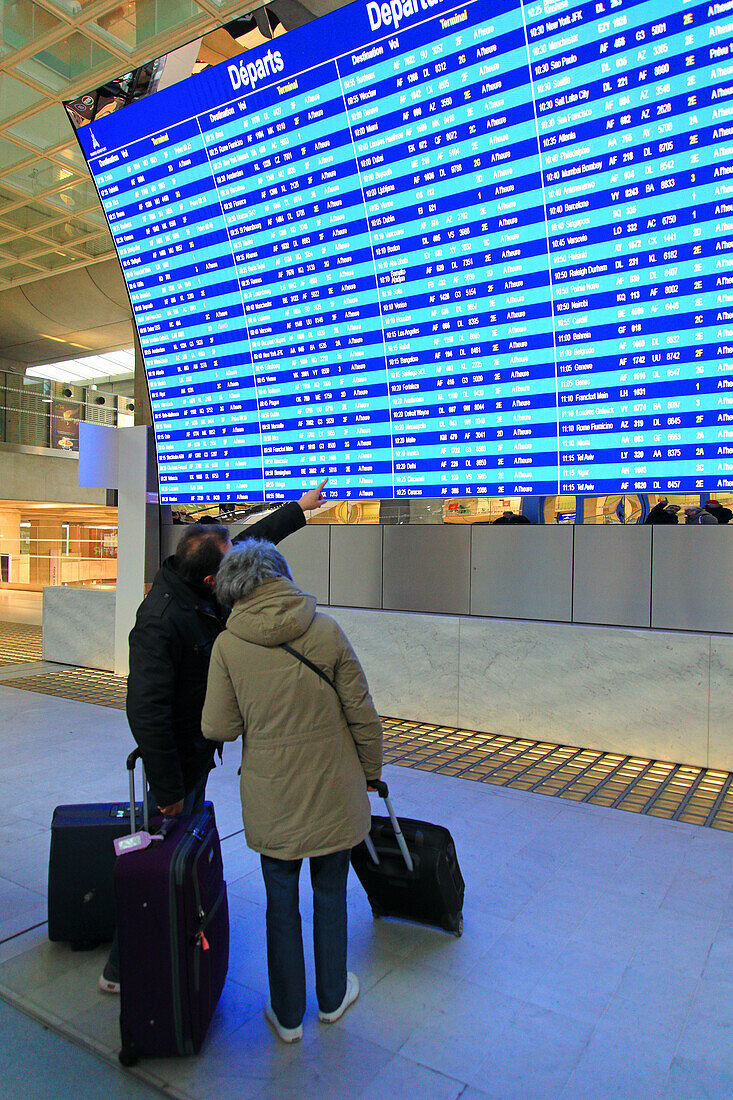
(81, 908)
(173, 931)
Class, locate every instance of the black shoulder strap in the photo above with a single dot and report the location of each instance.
(316, 669)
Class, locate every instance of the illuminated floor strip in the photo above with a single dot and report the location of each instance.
(678, 792)
(83, 685)
(19, 643)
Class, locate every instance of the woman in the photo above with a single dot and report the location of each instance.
(309, 750)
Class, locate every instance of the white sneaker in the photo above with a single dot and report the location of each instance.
(287, 1034)
(352, 992)
(109, 981)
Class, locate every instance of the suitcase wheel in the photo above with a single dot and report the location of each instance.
(458, 926)
(129, 1055)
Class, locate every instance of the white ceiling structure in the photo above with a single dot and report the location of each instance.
(62, 294)
(51, 220)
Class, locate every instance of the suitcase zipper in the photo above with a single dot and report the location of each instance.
(200, 941)
(176, 880)
(196, 889)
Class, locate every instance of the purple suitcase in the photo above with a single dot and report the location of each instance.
(173, 929)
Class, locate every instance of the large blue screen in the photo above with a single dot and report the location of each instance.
(437, 250)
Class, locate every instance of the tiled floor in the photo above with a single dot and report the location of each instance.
(21, 606)
(37, 1064)
(597, 958)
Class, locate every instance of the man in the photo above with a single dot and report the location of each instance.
(170, 645)
(716, 509)
(511, 517)
(663, 513)
(696, 514)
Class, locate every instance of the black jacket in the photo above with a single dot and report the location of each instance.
(170, 646)
(723, 515)
(657, 515)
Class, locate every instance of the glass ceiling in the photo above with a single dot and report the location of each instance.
(93, 368)
(50, 51)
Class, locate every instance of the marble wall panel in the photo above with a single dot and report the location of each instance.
(410, 660)
(79, 627)
(627, 691)
(721, 723)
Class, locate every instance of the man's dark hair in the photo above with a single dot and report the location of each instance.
(200, 551)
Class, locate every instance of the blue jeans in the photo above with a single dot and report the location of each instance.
(285, 964)
(193, 803)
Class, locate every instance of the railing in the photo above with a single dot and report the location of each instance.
(48, 414)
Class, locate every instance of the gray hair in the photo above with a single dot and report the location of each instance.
(249, 564)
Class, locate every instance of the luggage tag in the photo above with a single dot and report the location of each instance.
(133, 842)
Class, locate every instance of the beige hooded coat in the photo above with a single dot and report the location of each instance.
(306, 751)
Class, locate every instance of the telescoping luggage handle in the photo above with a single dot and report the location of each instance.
(383, 791)
(132, 759)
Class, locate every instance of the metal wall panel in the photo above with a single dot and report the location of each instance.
(692, 578)
(522, 572)
(170, 533)
(612, 574)
(356, 566)
(427, 568)
(307, 554)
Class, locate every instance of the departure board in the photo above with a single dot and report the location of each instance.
(429, 250)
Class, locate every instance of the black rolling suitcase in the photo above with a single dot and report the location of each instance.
(80, 871)
(173, 931)
(409, 869)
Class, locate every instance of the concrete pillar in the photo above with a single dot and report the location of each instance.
(138, 550)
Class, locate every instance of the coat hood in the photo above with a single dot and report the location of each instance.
(275, 612)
